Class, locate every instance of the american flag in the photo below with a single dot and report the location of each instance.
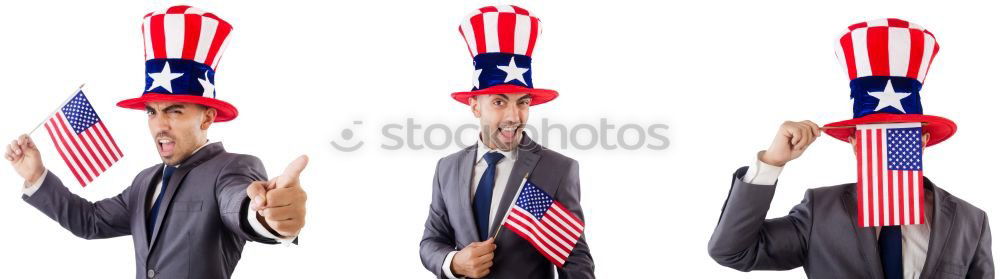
(545, 223)
(890, 174)
(82, 139)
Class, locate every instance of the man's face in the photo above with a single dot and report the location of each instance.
(501, 118)
(178, 128)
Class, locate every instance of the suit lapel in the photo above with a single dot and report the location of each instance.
(526, 161)
(207, 152)
(943, 218)
(865, 236)
(465, 173)
(146, 187)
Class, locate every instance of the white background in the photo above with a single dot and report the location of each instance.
(723, 75)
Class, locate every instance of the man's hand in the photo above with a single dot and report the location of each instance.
(791, 141)
(281, 202)
(475, 260)
(23, 155)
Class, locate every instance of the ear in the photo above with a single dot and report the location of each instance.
(924, 139)
(851, 140)
(474, 105)
(210, 114)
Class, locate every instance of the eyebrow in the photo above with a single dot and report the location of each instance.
(170, 107)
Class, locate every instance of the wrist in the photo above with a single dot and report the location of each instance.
(764, 158)
(34, 178)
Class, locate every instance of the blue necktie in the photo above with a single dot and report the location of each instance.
(167, 172)
(484, 194)
(890, 247)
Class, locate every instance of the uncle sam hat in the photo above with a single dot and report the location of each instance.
(183, 49)
(887, 61)
(501, 40)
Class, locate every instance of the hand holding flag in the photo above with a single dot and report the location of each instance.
(25, 158)
(80, 138)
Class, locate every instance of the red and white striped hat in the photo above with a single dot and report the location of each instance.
(887, 61)
(183, 49)
(501, 40)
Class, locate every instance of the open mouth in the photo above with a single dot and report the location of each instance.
(165, 146)
(506, 134)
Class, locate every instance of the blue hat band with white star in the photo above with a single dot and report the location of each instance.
(179, 77)
(496, 68)
(885, 94)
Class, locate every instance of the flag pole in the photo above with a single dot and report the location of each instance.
(496, 233)
(57, 109)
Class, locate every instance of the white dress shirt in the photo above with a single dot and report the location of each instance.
(251, 215)
(503, 170)
(915, 237)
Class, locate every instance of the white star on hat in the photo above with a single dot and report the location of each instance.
(513, 72)
(889, 98)
(475, 78)
(163, 78)
(207, 85)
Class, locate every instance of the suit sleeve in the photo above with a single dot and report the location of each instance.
(439, 237)
(982, 261)
(744, 240)
(231, 189)
(102, 219)
(579, 264)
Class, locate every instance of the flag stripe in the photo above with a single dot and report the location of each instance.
(69, 149)
(567, 218)
(860, 185)
(532, 225)
(920, 187)
(883, 201)
(73, 139)
(62, 154)
(868, 151)
(531, 239)
(110, 138)
(99, 156)
(543, 243)
(102, 149)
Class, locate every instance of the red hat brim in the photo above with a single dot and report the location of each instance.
(538, 96)
(940, 128)
(225, 110)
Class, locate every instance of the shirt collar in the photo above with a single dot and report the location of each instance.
(482, 149)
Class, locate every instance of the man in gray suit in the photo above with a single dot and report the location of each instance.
(189, 216)
(823, 233)
(473, 189)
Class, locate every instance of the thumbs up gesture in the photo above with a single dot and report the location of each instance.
(281, 203)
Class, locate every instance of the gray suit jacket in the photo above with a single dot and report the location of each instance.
(450, 225)
(202, 225)
(822, 236)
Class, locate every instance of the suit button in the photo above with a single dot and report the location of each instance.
(150, 273)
